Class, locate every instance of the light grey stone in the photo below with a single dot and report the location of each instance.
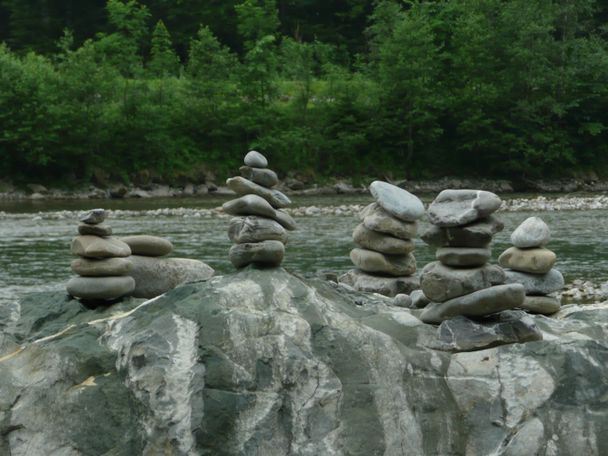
(266, 253)
(255, 160)
(396, 201)
(476, 304)
(463, 256)
(460, 207)
(255, 229)
(441, 283)
(380, 242)
(256, 205)
(537, 284)
(100, 288)
(94, 216)
(146, 245)
(99, 247)
(264, 177)
(375, 262)
(402, 300)
(476, 234)
(242, 186)
(419, 300)
(101, 229)
(545, 305)
(377, 219)
(101, 268)
(387, 286)
(533, 232)
(535, 260)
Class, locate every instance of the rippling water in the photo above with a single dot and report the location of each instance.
(34, 248)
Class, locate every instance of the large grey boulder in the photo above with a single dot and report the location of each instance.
(264, 363)
(459, 207)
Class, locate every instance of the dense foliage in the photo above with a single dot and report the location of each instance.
(512, 88)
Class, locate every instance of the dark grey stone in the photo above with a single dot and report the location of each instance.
(255, 229)
(537, 284)
(419, 300)
(255, 160)
(266, 253)
(264, 177)
(460, 207)
(463, 256)
(94, 230)
(256, 205)
(477, 234)
(242, 186)
(381, 242)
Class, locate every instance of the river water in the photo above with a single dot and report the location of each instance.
(35, 238)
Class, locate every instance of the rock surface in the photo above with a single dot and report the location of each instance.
(463, 256)
(459, 207)
(264, 177)
(395, 265)
(537, 284)
(269, 253)
(533, 232)
(256, 205)
(536, 261)
(255, 229)
(387, 286)
(100, 268)
(476, 235)
(397, 201)
(94, 216)
(242, 186)
(146, 245)
(94, 230)
(380, 242)
(100, 288)
(98, 247)
(545, 305)
(377, 219)
(255, 160)
(263, 363)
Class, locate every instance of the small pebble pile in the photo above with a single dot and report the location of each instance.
(258, 230)
(462, 282)
(528, 262)
(102, 266)
(383, 257)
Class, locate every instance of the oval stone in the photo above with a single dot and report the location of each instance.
(396, 201)
(100, 288)
(264, 177)
(94, 230)
(266, 253)
(463, 256)
(536, 261)
(242, 186)
(377, 219)
(146, 245)
(99, 247)
(101, 268)
(94, 216)
(537, 284)
(533, 232)
(255, 160)
(255, 229)
(545, 305)
(394, 265)
(460, 207)
(381, 242)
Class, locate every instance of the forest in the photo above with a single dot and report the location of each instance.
(416, 89)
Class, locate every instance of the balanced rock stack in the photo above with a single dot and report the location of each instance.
(462, 282)
(259, 229)
(383, 256)
(531, 264)
(102, 266)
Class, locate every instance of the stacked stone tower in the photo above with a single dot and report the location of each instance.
(531, 264)
(259, 229)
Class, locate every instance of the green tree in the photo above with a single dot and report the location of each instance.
(163, 59)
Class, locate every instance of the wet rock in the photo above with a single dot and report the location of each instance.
(460, 207)
(146, 245)
(396, 201)
(536, 260)
(537, 284)
(463, 256)
(242, 186)
(476, 235)
(255, 160)
(102, 229)
(380, 242)
(387, 286)
(255, 229)
(264, 177)
(533, 232)
(100, 288)
(266, 253)
(99, 247)
(377, 219)
(101, 268)
(375, 262)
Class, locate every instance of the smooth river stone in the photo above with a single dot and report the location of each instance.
(380, 242)
(536, 261)
(264, 177)
(377, 219)
(99, 247)
(256, 205)
(396, 201)
(537, 284)
(419, 300)
(266, 253)
(476, 304)
(100, 288)
(255, 229)
(463, 256)
(94, 216)
(94, 230)
(255, 160)
(533, 232)
(242, 186)
(545, 305)
(387, 286)
(441, 283)
(101, 268)
(394, 265)
(145, 245)
(477, 234)
(460, 207)
(402, 300)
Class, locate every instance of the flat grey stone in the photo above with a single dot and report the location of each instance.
(535, 260)
(255, 160)
(154, 276)
(100, 288)
(387, 286)
(242, 186)
(482, 302)
(537, 284)
(256, 205)
(396, 201)
(261, 176)
(477, 234)
(381, 242)
(94, 216)
(460, 207)
(402, 300)
(145, 245)
(545, 305)
(394, 265)
(377, 219)
(101, 268)
(463, 256)
(99, 247)
(533, 232)
(419, 300)
(441, 283)
(266, 253)
(255, 229)
(95, 230)
(508, 327)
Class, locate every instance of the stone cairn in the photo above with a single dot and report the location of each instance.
(102, 266)
(258, 230)
(462, 282)
(383, 256)
(531, 264)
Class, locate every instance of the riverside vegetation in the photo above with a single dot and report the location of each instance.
(135, 91)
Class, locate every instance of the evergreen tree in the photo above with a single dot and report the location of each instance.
(163, 59)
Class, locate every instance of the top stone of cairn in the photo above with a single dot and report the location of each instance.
(94, 216)
(256, 160)
(533, 232)
(396, 201)
(459, 207)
